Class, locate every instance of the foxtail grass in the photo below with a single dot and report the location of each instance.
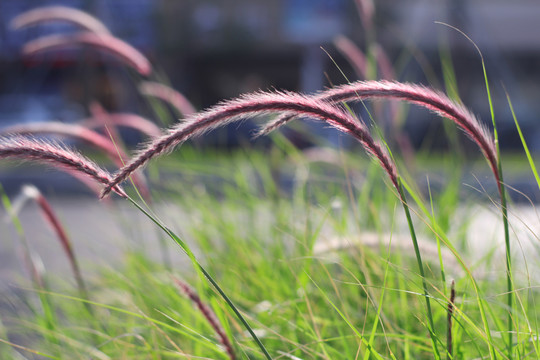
(252, 105)
(127, 120)
(109, 44)
(59, 156)
(418, 95)
(169, 95)
(51, 218)
(209, 315)
(111, 147)
(49, 14)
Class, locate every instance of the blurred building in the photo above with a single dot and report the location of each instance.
(213, 49)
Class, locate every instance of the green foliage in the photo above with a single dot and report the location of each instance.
(262, 244)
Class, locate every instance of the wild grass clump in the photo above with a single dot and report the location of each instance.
(318, 269)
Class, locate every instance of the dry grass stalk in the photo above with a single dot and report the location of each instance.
(58, 13)
(253, 105)
(107, 43)
(28, 149)
(169, 95)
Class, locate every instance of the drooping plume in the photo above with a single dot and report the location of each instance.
(168, 94)
(48, 14)
(423, 96)
(28, 149)
(128, 120)
(252, 105)
(100, 142)
(103, 42)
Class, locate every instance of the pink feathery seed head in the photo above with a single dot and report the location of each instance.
(133, 121)
(51, 218)
(366, 9)
(353, 54)
(252, 105)
(168, 94)
(70, 130)
(106, 43)
(58, 13)
(209, 315)
(93, 138)
(28, 149)
(419, 95)
(114, 140)
(423, 96)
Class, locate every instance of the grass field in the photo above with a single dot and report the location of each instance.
(310, 246)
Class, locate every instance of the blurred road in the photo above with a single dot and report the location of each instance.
(102, 232)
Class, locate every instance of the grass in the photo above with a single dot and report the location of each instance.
(258, 240)
(291, 254)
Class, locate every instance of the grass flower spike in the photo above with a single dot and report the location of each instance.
(419, 95)
(101, 142)
(127, 120)
(209, 315)
(106, 43)
(168, 94)
(252, 105)
(58, 13)
(32, 192)
(28, 149)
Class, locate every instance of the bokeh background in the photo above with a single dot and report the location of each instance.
(215, 50)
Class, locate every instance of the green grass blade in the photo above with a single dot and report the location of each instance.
(524, 143)
(200, 268)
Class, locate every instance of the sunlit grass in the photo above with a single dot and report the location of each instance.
(254, 218)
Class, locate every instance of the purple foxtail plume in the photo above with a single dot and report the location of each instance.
(423, 96)
(253, 105)
(107, 43)
(353, 54)
(58, 13)
(357, 60)
(70, 130)
(366, 10)
(79, 132)
(101, 115)
(132, 121)
(28, 149)
(209, 315)
(32, 192)
(168, 94)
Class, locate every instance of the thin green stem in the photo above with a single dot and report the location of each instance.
(421, 269)
(210, 279)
